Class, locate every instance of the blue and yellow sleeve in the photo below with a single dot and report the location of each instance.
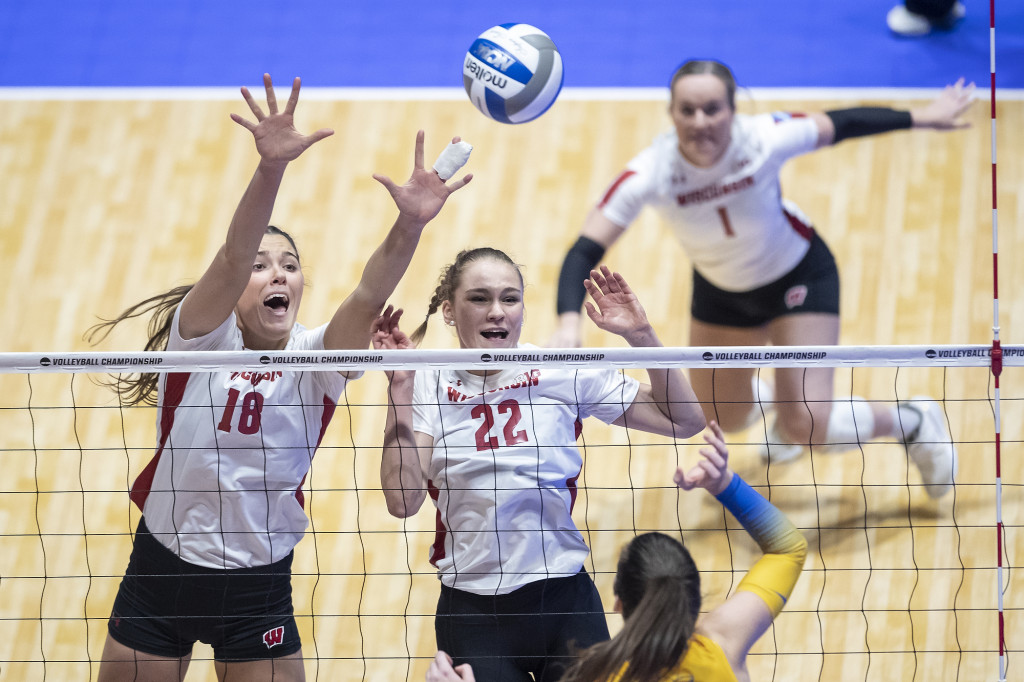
(774, 575)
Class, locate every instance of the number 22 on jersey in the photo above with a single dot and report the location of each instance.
(509, 411)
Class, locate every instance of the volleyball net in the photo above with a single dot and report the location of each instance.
(897, 585)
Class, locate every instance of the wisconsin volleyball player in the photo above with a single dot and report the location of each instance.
(496, 453)
(657, 590)
(221, 499)
(761, 274)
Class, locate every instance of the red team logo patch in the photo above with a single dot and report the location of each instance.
(796, 296)
(273, 637)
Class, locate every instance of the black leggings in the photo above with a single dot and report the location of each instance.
(537, 628)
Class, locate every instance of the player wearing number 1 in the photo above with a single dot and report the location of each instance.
(496, 452)
(761, 274)
(221, 499)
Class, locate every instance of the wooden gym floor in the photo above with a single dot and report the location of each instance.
(107, 202)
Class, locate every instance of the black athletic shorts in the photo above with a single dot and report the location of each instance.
(811, 287)
(537, 628)
(165, 605)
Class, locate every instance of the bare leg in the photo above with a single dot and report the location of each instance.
(726, 395)
(284, 669)
(124, 664)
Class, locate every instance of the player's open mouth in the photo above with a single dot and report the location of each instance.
(276, 302)
(492, 334)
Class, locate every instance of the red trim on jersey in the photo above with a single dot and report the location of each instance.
(615, 185)
(570, 483)
(174, 391)
(783, 116)
(803, 229)
(578, 427)
(325, 420)
(440, 532)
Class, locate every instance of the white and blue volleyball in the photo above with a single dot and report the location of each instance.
(513, 73)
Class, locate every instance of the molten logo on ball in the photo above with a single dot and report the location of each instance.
(513, 73)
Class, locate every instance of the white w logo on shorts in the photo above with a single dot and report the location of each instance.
(273, 637)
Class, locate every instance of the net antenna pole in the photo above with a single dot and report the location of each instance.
(997, 351)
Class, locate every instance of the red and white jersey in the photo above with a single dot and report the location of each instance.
(504, 468)
(233, 448)
(731, 219)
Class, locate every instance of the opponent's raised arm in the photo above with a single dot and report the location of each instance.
(418, 200)
(738, 623)
(278, 143)
(666, 406)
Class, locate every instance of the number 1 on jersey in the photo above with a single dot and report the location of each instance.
(726, 225)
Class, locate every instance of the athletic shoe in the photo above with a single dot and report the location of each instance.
(907, 23)
(931, 448)
(777, 451)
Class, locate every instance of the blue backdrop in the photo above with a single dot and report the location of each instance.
(794, 43)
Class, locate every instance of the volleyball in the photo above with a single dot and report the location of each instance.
(513, 73)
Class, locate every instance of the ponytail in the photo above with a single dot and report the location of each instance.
(659, 587)
(141, 389)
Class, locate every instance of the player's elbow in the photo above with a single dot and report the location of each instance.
(689, 421)
(402, 504)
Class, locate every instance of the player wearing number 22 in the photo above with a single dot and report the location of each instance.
(496, 452)
(761, 274)
(221, 499)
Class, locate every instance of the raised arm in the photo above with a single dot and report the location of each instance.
(667, 406)
(405, 453)
(943, 113)
(597, 236)
(278, 142)
(419, 200)
(739, 622)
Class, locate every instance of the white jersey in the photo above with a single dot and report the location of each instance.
(233, 448)
(504, 467)
(731, 219)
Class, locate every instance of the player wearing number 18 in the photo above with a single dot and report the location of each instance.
(222, 497)
(496, 451)
(761, 274)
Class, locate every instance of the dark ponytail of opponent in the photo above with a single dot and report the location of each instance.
(659, 587)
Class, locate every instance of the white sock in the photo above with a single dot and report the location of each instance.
(850, 423)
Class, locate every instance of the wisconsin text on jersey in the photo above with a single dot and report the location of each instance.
(714, 191)
(531, 378)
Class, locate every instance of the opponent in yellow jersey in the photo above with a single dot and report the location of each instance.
(657, 588)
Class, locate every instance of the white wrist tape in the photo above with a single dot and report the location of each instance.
(454, 157)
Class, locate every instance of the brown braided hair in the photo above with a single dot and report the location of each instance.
(451, 277)
(141, 389)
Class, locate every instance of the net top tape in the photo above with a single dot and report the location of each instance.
(472, 358)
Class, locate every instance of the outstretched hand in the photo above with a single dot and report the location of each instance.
(424, 193)
(944, 112)
(385, 334)
(712, 473)
(617, 308)
(277, 140)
